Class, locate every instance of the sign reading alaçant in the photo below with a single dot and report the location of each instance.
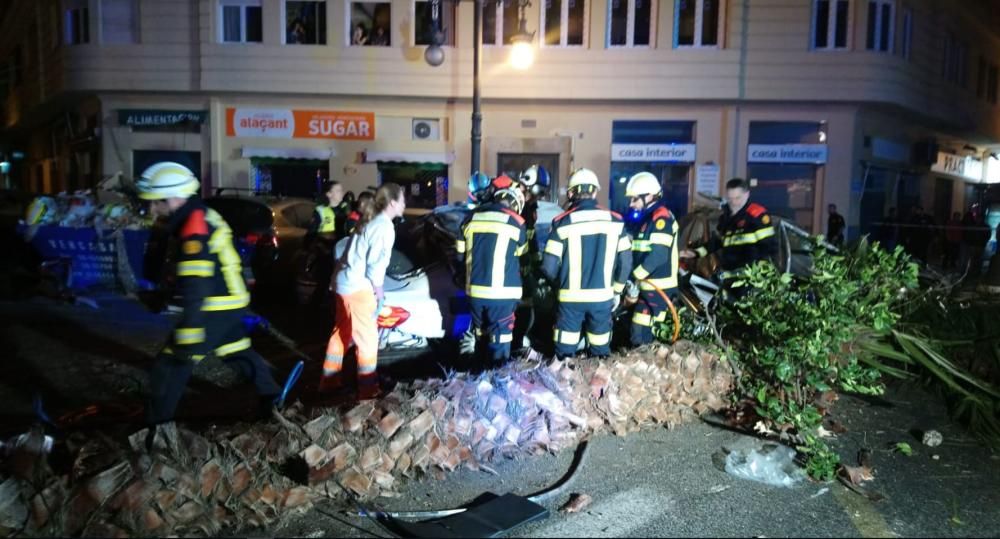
(787, 153)
(149, 118)
(653, 152)
(287, 123)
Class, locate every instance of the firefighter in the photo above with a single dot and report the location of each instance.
(534, 184)
(654, 255)
(746, 233)
(492, 239)
(213, 294)
(589, 255)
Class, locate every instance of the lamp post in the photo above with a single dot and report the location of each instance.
(521, 58)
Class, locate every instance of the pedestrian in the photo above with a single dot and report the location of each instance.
(213, 294)
(354, 217)
(362, 259)
(589, 255)
(953, 241)
(745, 233)
(835, 226)
(492, 240)
(654, 256)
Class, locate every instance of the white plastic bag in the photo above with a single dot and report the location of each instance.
(772, 464)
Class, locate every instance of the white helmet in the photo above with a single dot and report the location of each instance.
(167, 180)
(513, 196)
(643, 183)
(584, 177)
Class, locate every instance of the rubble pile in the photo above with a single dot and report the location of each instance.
(198, 484)
(80, 209)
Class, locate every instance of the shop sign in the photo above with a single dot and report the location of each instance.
(288, 123)
(149, 117)
(964, 166)
(653, 152)
(993, 170)
(787, 153)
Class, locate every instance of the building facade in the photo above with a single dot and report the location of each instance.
(866, 104)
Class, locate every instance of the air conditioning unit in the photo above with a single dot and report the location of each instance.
(426, 129)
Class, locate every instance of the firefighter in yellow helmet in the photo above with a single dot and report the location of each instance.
(588, 253)
(654, 255)
(213, 294)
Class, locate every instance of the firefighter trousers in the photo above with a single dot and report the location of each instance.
(650, 309)
(493, 322)
(593, 318)
(226, 336)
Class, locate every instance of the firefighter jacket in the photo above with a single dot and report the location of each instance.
(209, 274)
(492, 239)
(588, 253)
(654, 251)
(744, 238)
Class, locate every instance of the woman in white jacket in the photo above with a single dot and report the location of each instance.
(361, 264)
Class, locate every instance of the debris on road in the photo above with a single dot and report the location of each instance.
(773, 465)
(932, 438)
(577, 502)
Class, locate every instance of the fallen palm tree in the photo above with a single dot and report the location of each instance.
(200, 483)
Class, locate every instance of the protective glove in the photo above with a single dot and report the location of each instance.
(467, 343)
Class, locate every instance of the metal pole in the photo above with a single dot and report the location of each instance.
(477, 115)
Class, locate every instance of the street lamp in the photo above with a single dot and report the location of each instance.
(522, 56)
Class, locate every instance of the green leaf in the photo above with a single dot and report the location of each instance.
(904, 448)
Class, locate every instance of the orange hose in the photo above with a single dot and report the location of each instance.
(673, 311)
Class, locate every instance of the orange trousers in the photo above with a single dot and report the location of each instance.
(354, 320)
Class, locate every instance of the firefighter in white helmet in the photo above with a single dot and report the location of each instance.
(588, 254)
(654, 255)
(213, 294)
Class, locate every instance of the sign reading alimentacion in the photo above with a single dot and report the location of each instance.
(291, 123)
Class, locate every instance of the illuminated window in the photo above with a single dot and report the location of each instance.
(424, 25)
(77, 22)
(563, 21)
(305, 23)
(880, 25)
(499, 19)
(240, 21)
(371, 24)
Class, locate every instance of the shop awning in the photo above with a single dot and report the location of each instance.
(446, 158)
(288, 153)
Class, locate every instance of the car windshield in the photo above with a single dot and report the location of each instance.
(244, 216)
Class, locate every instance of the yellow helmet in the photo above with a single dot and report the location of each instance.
(643, 183)
(584, 177)
(167, 180)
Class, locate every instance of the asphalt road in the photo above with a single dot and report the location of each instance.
(656, 483)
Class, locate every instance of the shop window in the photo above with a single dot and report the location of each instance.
(240, 21)
(906, 39)
(786, 189)
(77, 22)
(499, 20)
(697, 23)
(675, 176)
(424, 25)
(425, 184)
(831, 20)
(563, 21)
(880, 25)
(119, 21)
(630, 22)
(305, 23)
(371, 24)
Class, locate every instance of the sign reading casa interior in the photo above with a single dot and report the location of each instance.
(684, 153)
(288, 123)
(787, 153)
(148, 117)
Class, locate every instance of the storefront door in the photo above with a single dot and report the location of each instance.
(425, 184)
(288, 177)
(513, 164)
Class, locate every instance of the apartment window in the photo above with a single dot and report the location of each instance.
(955, 60)
(697, 23)
(240, 21)
(630, 22)
(305, 23)
(563, 21)
(424, 27)
(991, 88)
(880, 25)
(118, 21)
(371, 23)
(77, 22)
(830, 24)
(981, 78)
(906, 41)
(499, 20)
